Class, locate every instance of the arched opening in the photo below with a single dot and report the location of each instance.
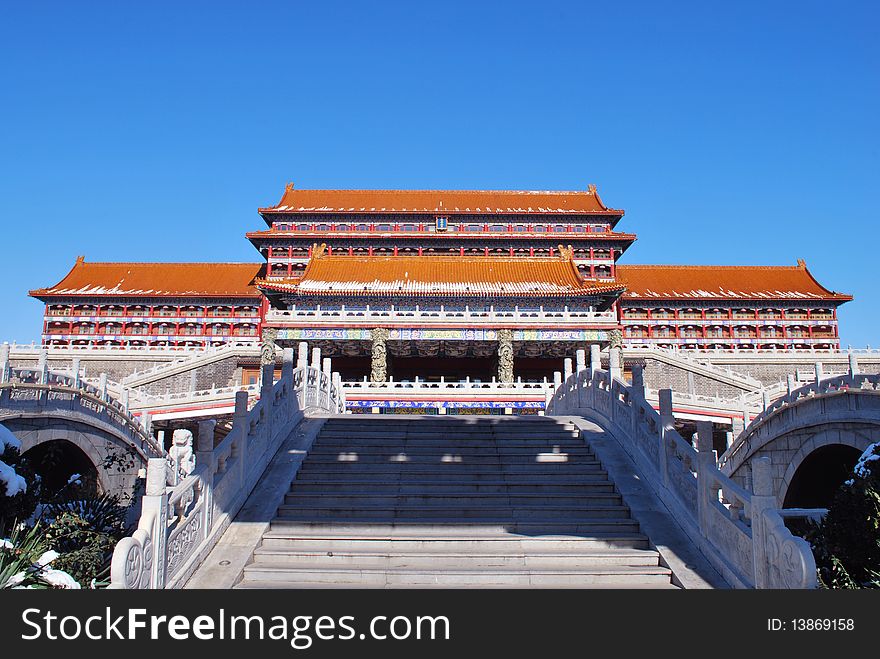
(819, 475)
(57, 460)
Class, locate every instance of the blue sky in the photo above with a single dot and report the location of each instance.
(731, 133)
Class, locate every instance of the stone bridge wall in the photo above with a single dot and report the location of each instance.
(661, 375)
(223, 373)
(773, 368)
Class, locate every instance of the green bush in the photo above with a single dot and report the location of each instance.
(846, 543)
(85, 532)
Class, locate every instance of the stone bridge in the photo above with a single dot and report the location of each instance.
(43, 407)
(812, 436)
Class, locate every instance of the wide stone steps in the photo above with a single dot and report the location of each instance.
(370, 560)
(397, 502)
(572, 525)
(479, 501)
(515, 487)
(355, 510)
(615, 576)
(476, 475)
(398, 541)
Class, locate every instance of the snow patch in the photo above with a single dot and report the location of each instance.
(7, 439)
(13, 483)
(863, 466)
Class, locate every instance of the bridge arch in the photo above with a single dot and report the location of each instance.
(96, 444)
(814, 475)
(40, 407)
(813, 432)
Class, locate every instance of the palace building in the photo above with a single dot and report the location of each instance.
(431, 284)
(153, 304)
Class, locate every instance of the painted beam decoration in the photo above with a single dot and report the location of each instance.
(451, 404)
(418, 334)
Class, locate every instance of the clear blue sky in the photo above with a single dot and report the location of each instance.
(731, 133)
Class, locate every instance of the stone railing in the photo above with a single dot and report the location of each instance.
(140, 400)
(398, 316)
(41, 391)
(34, 348)
(740, 532)
(762, 427)
(183, 514)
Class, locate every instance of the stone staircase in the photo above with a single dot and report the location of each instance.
(419, 502)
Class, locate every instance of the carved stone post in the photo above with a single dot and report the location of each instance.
(75, 368)
(379, 355)
(43, 366)
(302, 355)
(595, 358)
(505, 356)
(155, 501)
(205, 460)
(566, 368)
(706, 461)
(580, 359)
(762, 499)
(667, 424)
(853, 364)
(614, 363)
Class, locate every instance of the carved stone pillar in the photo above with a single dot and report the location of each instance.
(379, 355)
(505, 355)
(615, 338)
(267, 351)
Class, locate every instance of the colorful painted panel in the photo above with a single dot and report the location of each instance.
(461, 334)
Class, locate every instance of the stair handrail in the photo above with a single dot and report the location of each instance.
(741, 533)
(182, 519)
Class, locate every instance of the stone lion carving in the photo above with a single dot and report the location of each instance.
(181, 453)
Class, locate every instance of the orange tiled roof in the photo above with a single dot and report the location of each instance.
(417, 276)
(712, 282)
(156, 280)
(440, 201)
